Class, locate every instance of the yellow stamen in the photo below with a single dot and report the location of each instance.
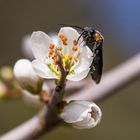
(68, 56)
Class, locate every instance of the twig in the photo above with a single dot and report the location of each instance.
(46, 118)
(111, 81)
(31, 129)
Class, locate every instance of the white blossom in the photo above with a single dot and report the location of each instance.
(76, 57)
(81, 114)
(25, 74)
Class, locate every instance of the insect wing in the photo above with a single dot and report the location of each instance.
(97, 65)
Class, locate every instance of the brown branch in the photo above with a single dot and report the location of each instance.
(45, 119)
(111, 81)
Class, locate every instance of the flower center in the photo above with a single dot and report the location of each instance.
(94, 113)
(68, 59)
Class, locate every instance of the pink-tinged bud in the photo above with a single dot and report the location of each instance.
(81, 114)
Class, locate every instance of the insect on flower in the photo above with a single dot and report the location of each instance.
(76, 58)
(94, 40)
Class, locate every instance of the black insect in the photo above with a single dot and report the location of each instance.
(94, 40)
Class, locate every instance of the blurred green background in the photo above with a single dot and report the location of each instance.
(118, 21)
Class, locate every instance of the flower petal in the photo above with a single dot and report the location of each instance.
(71, 34)
(83, 66)
(85, 123)
(85, 59)
(72, 112)
(78, 75)
(55, 39)
(40, 44)
(42, 70)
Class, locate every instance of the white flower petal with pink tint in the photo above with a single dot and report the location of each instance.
(85, 59)
(43, 70)
(78, 76)
(55, 39)
(83, 67)
(71, 34)
(40, 44)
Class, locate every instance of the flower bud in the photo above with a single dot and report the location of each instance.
(6, 73)
(81, 114)
(25, 75)
(30, 99)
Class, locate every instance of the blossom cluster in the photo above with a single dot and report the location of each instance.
(76, 59)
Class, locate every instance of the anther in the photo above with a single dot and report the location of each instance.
(51, 52)
(64, 43)
(63, 38)
(54, 57)
(68, 56)
(59, 48)
(75, 42)
(75, 48)
(51, 45)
